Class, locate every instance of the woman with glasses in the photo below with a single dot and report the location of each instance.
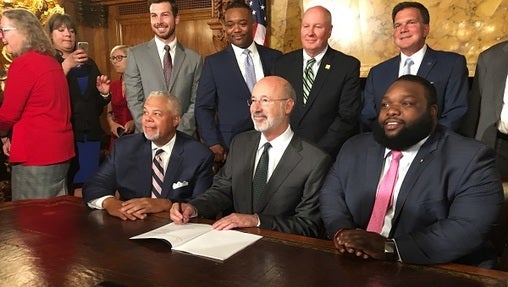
(89, 93)
(35, 114)
(119, 116)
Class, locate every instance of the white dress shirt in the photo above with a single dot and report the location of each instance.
(503, 118)
(256, 59)
(318, 57)
(279, 145)
(160, 49)
(417, 61)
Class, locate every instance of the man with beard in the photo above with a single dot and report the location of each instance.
(150, 170)
(412, 190)
(163, 64)
(272, 177)
(225, 85)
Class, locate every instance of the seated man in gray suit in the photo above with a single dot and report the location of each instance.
(271, 178)
(150, 170)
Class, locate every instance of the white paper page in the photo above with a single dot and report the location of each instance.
(176, 234)
(219, 244)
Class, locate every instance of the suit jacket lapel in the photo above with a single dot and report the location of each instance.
(289, 160)
(422, 158)
(174, 167)
(320, 78)
(499, 79)
(429, 60)
(154, 59)
(178, 62)
(250, 160)
(144, 157)
(376, 152)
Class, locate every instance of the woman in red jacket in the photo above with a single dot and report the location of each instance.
(35, 114)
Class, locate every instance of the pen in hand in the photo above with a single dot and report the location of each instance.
(180, 207)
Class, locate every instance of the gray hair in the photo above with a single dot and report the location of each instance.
(170, 98)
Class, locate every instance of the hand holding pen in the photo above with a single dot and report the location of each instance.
(180, 212)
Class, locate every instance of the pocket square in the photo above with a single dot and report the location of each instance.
(180, 184)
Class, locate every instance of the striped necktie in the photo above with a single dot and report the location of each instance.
(308, 79)
(157, 174)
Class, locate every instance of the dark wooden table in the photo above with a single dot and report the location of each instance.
(59, 242)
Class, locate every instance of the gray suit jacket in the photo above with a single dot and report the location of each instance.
(486, 97)
(144, 74)
(291, 202)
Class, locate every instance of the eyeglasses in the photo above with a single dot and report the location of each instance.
(5, 29)
(263, 101)
(118, 58)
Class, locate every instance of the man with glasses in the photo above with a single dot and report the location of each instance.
(163, 64)
(446, 71)
(271, 178)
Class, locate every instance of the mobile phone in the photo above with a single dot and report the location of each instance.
(83, 46)
(120, 131)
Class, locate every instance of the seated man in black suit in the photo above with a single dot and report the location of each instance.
(271, 177)
(150, 170)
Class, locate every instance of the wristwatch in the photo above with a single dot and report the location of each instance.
(391, 253)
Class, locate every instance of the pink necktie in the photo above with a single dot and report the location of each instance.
(384, 194)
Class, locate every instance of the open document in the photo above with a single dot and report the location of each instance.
(202, 240)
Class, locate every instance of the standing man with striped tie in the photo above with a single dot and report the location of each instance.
(227, 80)
(163, 64)
(153, 169)
(447, 71)
(413, 190)
(327, 85)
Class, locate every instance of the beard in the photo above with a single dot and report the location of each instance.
(408, 136)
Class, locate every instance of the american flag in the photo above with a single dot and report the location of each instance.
(259, 12)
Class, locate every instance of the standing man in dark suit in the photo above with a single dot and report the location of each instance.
(487, 117)
(447, 71)
(186, 165)
(146, 70)
(271, 178)
(328, 114)
(223, 91)
(441, 202)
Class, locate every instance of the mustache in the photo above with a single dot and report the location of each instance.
(160, 25)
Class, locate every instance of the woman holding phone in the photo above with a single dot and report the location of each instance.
(119, 116)
(89, 93)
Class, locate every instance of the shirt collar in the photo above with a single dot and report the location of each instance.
(168, 147)
(282, 140)
(410, 150)
(160, 45)
(416, 57)
(238, 51)
(318, 57)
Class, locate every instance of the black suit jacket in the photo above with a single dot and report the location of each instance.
(331, 114)
(291, 202)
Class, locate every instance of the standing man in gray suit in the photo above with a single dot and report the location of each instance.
(151, 67)
(271, 178)
(487, 116)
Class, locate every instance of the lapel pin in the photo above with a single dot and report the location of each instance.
(327, 67)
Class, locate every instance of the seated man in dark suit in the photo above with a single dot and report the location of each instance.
(150, 170)
(434, 204)
(271, 178)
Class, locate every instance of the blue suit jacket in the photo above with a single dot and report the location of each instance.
(221, 103)
(447, 71)
(128, 169)
(447, 204)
